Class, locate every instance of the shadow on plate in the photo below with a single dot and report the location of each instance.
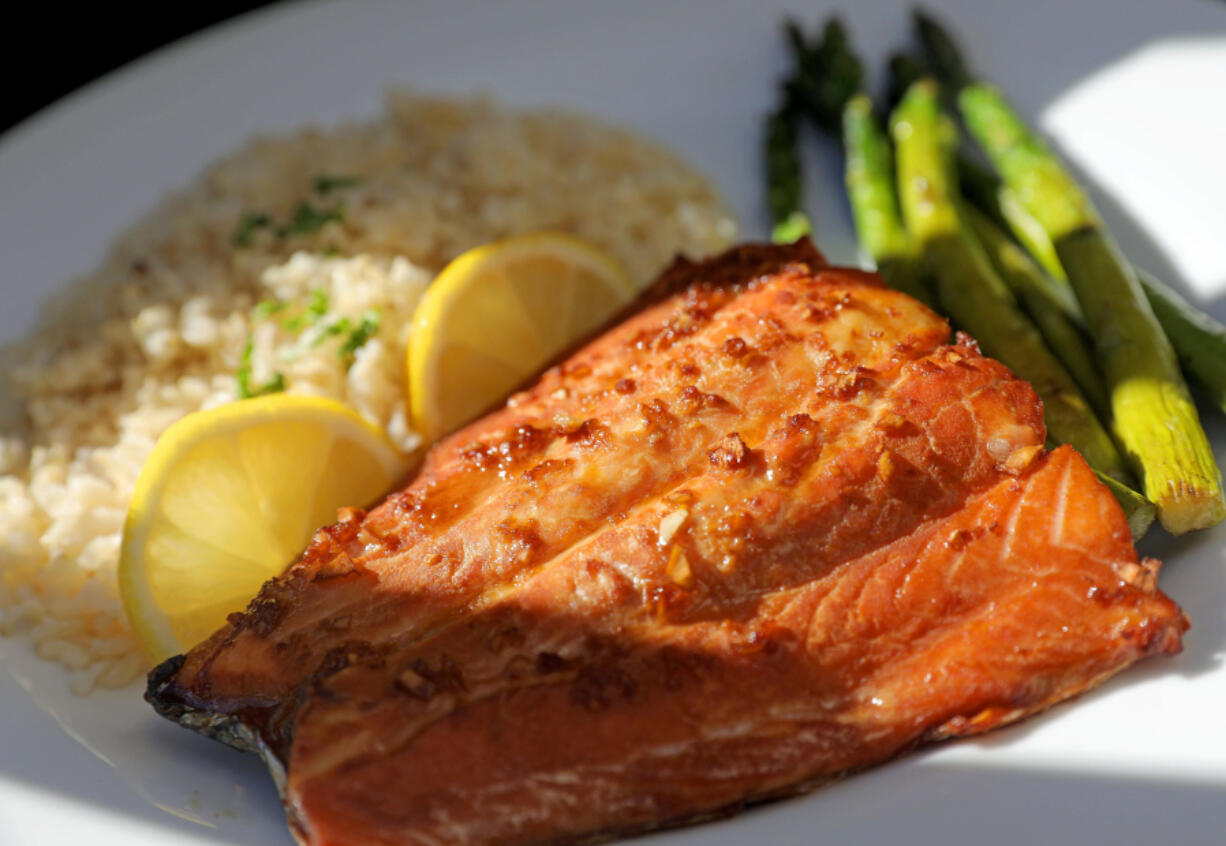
(927, 801)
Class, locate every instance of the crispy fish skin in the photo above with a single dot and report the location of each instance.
(768, 530)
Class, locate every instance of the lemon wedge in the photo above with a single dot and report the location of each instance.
(497, 315)
(229, 497)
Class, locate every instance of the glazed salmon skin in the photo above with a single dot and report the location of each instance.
(769, 529)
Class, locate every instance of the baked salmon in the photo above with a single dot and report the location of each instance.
(770, 528)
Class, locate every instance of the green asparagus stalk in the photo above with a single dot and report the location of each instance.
(979, 184)
(968, 288)
(825, 85)
(986, 190)
(1000, 203)
(784, 177)
(1139, 510)
(1152, 412)
(1044, 300)
(992, 211)
(869, 175)
(1198, 339)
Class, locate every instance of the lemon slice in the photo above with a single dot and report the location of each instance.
(229, 497)
(497, 315)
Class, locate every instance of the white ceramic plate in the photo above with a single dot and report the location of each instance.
(1132, 91)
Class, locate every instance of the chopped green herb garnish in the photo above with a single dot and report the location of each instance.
(267, 308)
(247, 227)
(245, 391)
(331, 251)
(328, 184)
(307, 219)
(337, 327)
(366, 329)
(275, 385)
(316, 307)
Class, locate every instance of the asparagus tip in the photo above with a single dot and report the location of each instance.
(795, 35)
(858, 103)
(791, 229)
(941, 50)
(835, 33)
(826, 73)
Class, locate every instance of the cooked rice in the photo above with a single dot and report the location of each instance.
(159, 330)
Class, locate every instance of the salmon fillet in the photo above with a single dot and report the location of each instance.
(768, 529)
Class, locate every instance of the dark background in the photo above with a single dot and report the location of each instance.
(92, 41)
(81, 42)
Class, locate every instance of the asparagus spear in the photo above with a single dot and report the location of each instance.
(1054, 289)
(827, 75)
(822, 80)
(978, 183)
(869, 175)
(825, 85)
(1153, 413)
(1139, 510)
(1044, 301)
(969, 289)
(991, 210)
(783, 176)
(1001, 204)
(1198, 339)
